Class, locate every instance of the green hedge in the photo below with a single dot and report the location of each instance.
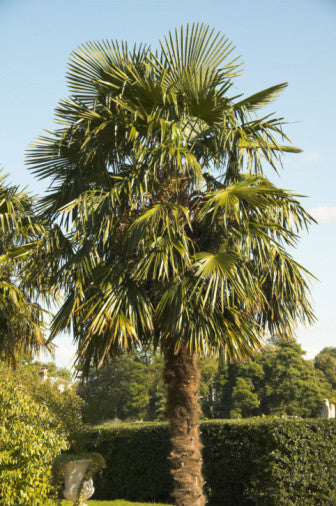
(256, 462)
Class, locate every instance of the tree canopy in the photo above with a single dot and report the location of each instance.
(277, 381)
(325, 361)
(120, 390)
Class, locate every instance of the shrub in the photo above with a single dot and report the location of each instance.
(29, 443)
(65, 407)
(257, 461)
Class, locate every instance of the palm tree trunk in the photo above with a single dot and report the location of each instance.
(183, 410)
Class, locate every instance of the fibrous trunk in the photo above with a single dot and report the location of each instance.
(183, 410)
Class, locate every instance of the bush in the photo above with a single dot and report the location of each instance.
(29, 443)
(65, 407)
(258, 461)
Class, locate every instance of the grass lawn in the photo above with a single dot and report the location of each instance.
(113, 503)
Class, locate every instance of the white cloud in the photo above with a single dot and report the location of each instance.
(311, 157)
(324, 214)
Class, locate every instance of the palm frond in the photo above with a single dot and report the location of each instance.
(262, 98)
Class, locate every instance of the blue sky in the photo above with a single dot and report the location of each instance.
(278, 40)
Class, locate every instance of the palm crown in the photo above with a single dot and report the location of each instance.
(174, 234)
(21, 316)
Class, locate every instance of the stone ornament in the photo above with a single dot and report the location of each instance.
(74, 473)
(327, 411)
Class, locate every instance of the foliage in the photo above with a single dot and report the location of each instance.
(244, 399)
(294, 386)
(157, 391)
(277, 381)
(118, 390)
(112, 503)
(299, 465)
(25, 359)
(325, 361)
(131, 388)
(259, 461)
(208, 369)
(65, 407)
(53, 370)
(22, 319)
(30, 439)
(136, 456)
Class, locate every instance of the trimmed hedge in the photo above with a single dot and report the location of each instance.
(247, 462)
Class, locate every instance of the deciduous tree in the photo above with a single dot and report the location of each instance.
(325, 361)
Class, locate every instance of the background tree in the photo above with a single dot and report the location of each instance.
(325, 361)
(208, 369)
(245, 401)
(157, 393)
(278, 380)
(52, 369)
(238, 383)
(131, 388)
(293, 385)
(173, 235)
(119, 390)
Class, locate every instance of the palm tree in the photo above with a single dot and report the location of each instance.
(22, 320)
(166, 231)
